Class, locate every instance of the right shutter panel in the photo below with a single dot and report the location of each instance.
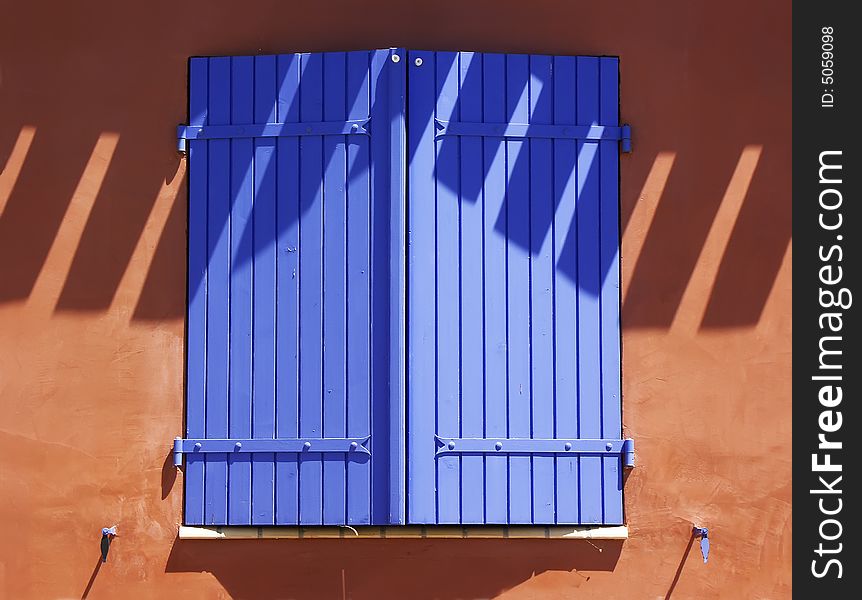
(513, 294)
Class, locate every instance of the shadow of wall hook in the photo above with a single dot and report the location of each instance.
(108, 534)
(703, 532)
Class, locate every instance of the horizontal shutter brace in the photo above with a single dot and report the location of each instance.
(594, 133)
(258, 130)
(297, 445)
(624, 447)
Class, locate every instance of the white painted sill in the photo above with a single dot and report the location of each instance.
(620, 532)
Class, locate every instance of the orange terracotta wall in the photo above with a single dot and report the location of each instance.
(92, 296)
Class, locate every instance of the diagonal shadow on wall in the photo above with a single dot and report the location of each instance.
(37, 203)
(144, 160)
(683, 219)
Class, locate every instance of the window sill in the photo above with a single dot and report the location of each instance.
(616, 532)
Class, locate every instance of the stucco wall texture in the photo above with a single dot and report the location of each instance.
(92, 298)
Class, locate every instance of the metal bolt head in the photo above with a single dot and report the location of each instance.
(198, 446)
(238, 445)
(396, 58)
(353, 445)
(451, 445)
(498, 446)
(568, 446)
(418, 62)
(608, 446)
(354, 127)
(307, 445)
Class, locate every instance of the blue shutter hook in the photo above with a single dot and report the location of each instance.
(108, 534)
(703, 532)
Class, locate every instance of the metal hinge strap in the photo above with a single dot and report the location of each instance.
(257, 130)
(595, 133)
(623, 447)
(312, 445)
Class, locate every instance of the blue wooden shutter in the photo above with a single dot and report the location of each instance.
(295, 193)
(513, 293)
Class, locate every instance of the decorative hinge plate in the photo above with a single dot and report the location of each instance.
(307, 445)
(604, 447)
(258, 130)
(594, 133)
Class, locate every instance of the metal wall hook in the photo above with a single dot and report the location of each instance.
(703, 532)
(108, 534)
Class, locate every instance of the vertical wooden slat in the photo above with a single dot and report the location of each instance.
(380, 293)
(589, 346)
(397, 310)
(541, 288)
(335, 296)
(287, 291)
(311, 290)
(472, 350)
(448, 296)
(358, 265)
(264, 248)
(197, 315)
(518, 288)
(565, 291)
(610, 290)
(495, 225)
(241, 267)
(422, 335)
(218, 291)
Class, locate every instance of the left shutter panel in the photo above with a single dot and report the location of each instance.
(288, 404)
